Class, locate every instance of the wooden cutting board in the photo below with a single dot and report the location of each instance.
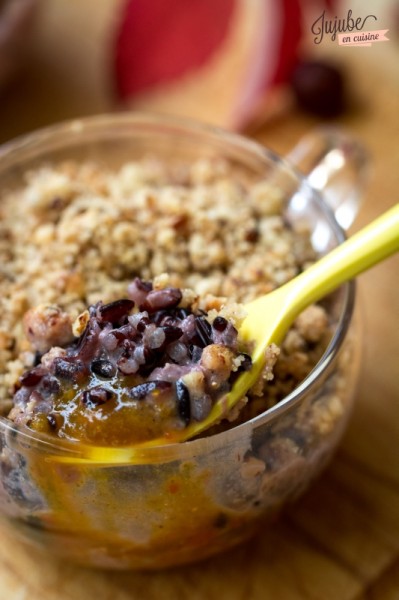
(341, 541)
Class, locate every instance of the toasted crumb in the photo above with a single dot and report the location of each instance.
(217, 358)
(312, 323)
(47, 325)
(80, 323)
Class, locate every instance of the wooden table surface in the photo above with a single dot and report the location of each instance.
(341, 540)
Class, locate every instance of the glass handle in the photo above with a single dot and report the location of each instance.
(336, 164)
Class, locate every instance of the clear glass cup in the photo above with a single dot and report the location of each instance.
(183, 502)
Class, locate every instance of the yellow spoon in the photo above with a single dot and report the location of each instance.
(270, 316)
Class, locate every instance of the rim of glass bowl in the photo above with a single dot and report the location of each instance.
(67, 133)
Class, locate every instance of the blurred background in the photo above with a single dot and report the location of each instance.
(235, 63)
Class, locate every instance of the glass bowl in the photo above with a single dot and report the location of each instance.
(179, 503)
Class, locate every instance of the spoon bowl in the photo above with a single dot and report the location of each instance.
(270, 316)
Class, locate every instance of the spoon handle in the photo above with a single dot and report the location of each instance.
(361, 251)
